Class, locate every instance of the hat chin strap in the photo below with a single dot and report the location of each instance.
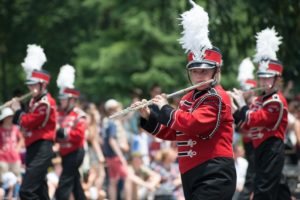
(40, 91)
(214, 83)
(69, 106)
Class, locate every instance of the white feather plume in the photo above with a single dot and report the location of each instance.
(195, 30)
(66, 77)
(267, 44)
(34, 60)
(246, 69)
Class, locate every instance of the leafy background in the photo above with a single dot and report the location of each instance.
(117, 45)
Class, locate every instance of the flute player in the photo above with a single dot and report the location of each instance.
(202, 125)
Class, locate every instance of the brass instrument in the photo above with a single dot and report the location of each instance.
(21, 98)
(147, 103)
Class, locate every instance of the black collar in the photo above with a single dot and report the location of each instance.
(266, 96)
(41, 96)
(199, 93)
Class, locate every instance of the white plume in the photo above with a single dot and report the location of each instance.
(34, 60)
(195, 30)
(66, 77)
(267, 44)
(246, 69)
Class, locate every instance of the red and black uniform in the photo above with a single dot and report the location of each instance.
(267, 122)
(38, 125)
(70, 136)
(202, 128)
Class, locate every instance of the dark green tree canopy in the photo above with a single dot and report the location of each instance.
(116, 45)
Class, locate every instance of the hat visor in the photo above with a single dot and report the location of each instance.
(32, 81)
(202, 65)
(266, 74)
(63, 96)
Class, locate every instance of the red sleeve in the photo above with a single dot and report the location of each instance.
(268, 116)
(77, 132)
(35, 119)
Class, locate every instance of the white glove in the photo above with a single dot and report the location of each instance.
(144, 111)
(15, 105)
(233, 105)
(238, 97)
(160, 100)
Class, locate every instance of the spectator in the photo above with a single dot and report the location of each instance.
(115, 159)
(11, 141)
(170, 185)
(96, 173)
(144, 180)
(241, 165)
(140, 144)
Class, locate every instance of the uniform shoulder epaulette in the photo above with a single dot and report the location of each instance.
(274, 103)
(45, 101)
(273, 99)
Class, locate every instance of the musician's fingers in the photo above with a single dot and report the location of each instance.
(238, 92)
(229, 93)
(164, 95)
(144, 101)
(235, 91)
(233, 95)
(135, 104)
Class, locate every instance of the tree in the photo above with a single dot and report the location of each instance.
(116, 45)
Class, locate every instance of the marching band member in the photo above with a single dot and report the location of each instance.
(248, 186)
(267, 118)
(70, 136)
(39, 124)
(247, 82)
(202, 125)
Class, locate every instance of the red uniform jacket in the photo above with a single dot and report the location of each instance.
(74, 125)
(202, 127)
(267, 117)
(39, 122)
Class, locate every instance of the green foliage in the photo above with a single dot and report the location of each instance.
(120, 45)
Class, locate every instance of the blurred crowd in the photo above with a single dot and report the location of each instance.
(122, 161)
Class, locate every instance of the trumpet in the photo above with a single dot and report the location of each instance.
(147, 103)
(21, 98)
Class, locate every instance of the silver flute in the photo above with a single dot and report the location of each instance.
(147, 103)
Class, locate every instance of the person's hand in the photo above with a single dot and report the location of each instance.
(101, 159)
(15, 105)
(160, 100)
(123, 161)
(238, 97)
(150, 186)
(144, 111)
(233, 105)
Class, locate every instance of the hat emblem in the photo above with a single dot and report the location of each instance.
(264, 65)
(199, 56)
